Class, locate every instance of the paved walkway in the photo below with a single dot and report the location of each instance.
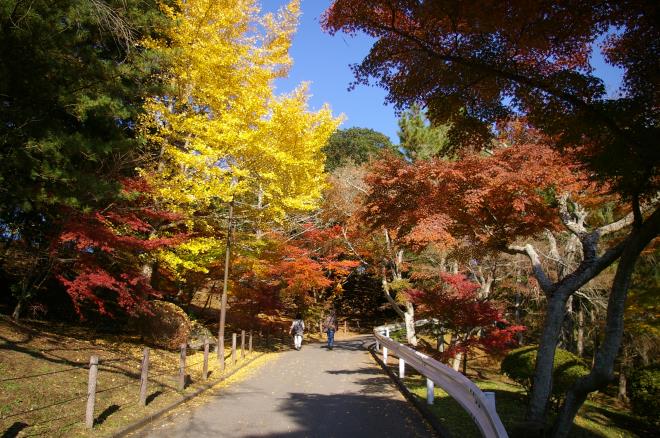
(309, 393)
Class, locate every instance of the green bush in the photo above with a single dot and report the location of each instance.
(567, 368)
(644, 391)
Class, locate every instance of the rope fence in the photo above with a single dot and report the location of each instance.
(102, 372)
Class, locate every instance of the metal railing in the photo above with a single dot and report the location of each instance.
(460, 388)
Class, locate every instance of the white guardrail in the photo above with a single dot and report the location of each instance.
(480, 407)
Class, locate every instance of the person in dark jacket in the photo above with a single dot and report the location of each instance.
(330, 327)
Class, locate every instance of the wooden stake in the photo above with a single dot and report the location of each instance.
(182, 368)
(91, 391)
(205, 370)
(233, 349)
(144, 377)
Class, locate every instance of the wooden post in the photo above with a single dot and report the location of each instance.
(205, 369)
(402, 368)
(385, 355)
(233, 349)
(242, 344)
(345, 328)
(182, 368)
(144, 377)
(250, 343)
(91, 391)
(221, 352)
(429, 391)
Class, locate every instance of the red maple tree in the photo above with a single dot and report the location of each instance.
(104, 253)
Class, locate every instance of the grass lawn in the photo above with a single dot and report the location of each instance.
(44, 371)
(600, 416)
(597, 418)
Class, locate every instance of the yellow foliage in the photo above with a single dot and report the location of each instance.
(222, 132)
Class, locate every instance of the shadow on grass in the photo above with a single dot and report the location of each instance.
(14, 429)
(106, 413)
(151, 397)
(620, 419)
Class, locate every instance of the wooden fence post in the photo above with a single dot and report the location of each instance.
(345, 328)
(91, 391)
(385, 355)
(402, 368)
(205, 369)
(144, 377)
(242, 344)
(250, 343)
(429, 391)
(182, 368)
(221, 353)
(233, 349)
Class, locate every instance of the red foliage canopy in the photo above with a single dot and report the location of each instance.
(104, 251)
(491, 201)
(454, 302)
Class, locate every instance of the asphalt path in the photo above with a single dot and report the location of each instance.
(314, 392)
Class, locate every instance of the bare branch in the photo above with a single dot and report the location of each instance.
(394, 304)
(574, 221)
(350, 246)
(629, 219)
(544, 281)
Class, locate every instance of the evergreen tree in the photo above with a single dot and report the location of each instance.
(419, 140)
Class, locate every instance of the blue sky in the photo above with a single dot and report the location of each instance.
(324, 61)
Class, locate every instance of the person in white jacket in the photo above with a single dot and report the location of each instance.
(297, 329)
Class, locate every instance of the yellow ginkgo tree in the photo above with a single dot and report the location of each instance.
(222, 134)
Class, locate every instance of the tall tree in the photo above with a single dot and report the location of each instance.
(475, 64)
(226, 140)
(73, 77)
(420, 140)
(354, 146)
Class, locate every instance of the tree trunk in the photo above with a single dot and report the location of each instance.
(623, 385)
(410, 324)
(568, 327)
(603, 369)
(457, 362)
(580, 330)
(542, 384)
(223, 300)
(519, 318)
(16, 314)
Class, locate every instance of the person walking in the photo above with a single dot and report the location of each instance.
(297, 329)
(330, 327)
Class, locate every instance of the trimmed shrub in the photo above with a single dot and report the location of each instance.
(168, 326)
(644, 392)
(519, 365)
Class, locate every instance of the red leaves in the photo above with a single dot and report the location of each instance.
(104, 252)
(455, 303)
(491, 201)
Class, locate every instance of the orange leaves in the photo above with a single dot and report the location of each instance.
(491, 201)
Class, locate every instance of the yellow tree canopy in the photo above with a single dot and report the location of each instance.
(222, 132)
